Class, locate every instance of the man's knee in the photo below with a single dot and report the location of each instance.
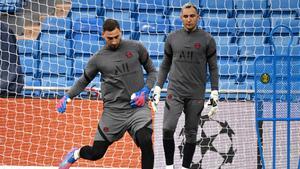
(191, 135)
(168, 134)
(144, 137)
(91, 153)
(95, 152)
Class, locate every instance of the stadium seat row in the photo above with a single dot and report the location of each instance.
(10, 6)
(208, 8)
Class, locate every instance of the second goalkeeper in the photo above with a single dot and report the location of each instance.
(187, 55)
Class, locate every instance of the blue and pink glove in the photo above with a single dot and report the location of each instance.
(139, 98)
(62, 104)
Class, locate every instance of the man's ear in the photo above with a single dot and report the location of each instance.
(103, 35)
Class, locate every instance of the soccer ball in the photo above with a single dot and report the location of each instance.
(214, 147)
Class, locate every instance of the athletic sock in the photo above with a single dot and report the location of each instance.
(169, 147)
(188, 153)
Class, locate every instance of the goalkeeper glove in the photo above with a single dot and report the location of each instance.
(155, 97)
(139, 98)
(62, 104)
(213, 103)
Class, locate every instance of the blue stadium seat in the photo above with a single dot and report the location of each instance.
(220, 26)
(288, 7)
(154, 43)
(228, 72)
(118, 9)
(27, 47)
(54, 45)
(28, 51)
(29, 65)
(85, 9)
(79, 65)
(55, 53)
(119, 4)
(57, 25)
(57, 82)
(228, 67)
(252, 46)
(226, 47)
(77, 15)
(232, 87)
(55, 66)
(153, 23)
(293, 24)
(175, 4)
(251, 8)
(129, 29)
(253, 26)
(86, 4)
(153, 30)
(86, 36)
(10, 6)
(92, 25)
(247, 68)
(281, 44)
(156, 6)
(55, 71)
(86, 44)
(176, 24)
(216, 8)
(31, 81)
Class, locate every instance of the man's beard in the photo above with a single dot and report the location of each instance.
(113, 47)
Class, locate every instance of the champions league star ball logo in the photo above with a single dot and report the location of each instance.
(214, 146)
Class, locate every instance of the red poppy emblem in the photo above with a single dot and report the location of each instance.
(170, 96)
(197, 45)
(129, 54)
(105, 129)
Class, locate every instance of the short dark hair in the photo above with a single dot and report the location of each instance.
(189, 5)
(110, 25)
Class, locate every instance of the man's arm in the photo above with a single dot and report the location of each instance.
(163, 73)
(89, 73)
(212, 64)
(148, 65)
(214, 77)
(165, 65)
(138, 99)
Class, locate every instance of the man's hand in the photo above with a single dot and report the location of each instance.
(155, 97)
(213, 103)
(62, 104)
(139, 98)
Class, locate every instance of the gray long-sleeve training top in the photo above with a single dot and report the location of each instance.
(186, 58)
(121, 73)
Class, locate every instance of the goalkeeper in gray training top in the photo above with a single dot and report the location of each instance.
(187, 54)
(124, 94)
